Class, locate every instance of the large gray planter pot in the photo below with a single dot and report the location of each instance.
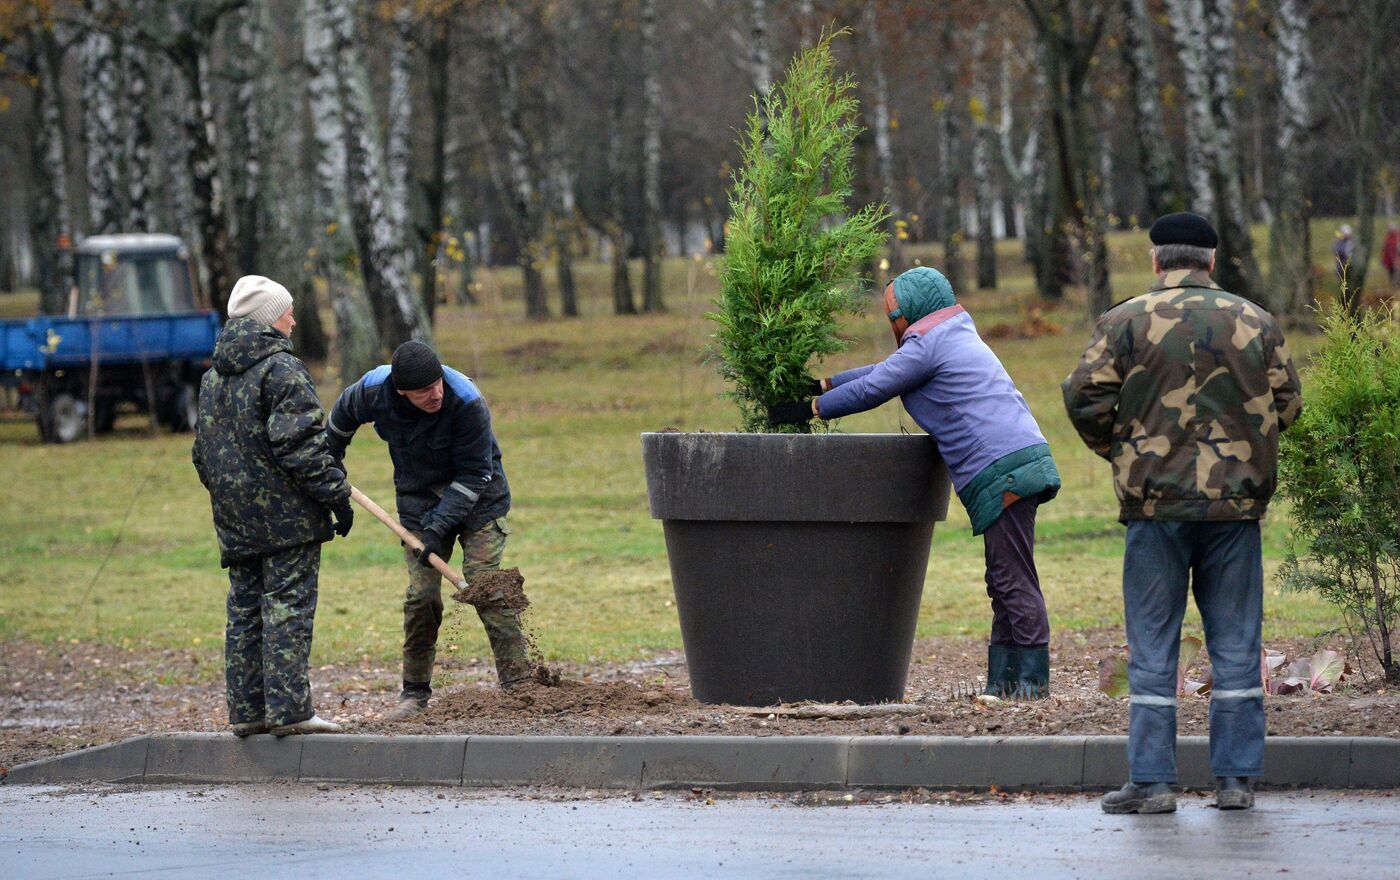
(798, 560)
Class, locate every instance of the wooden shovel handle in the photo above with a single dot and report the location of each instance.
(409, 539)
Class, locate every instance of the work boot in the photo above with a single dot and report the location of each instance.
(1234, 793)
(314, 724)
(1032, 673)
(413, 700)
(514, 672)
(1146, 797)
(1002, 666)
(248, 728)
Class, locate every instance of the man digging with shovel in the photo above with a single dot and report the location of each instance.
(451, 488)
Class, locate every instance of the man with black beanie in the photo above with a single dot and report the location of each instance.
(1185, 390)
(451, 489)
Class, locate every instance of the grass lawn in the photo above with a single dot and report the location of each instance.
(570, 398)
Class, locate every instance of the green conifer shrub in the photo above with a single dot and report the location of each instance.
(793, 251)
(1340, 470)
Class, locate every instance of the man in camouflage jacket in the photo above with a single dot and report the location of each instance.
(260, 449)
(1185, 390)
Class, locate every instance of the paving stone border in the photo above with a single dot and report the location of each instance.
(744, 763)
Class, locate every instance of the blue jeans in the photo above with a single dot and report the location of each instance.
(1224, 565)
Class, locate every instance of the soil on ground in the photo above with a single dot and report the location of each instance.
(56, 698)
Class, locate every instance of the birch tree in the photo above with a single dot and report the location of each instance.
(1154, 150)
(53, 217)
(244, 130)
(399, 149)
(1204, 32)
(1290, 241)
(1020, 160)
(984, 197)
(760, 63)
(945, 105)
(399, 314)
(652, 298)
(880, 125)
(102, 134)
(357, 338)
(138, 147)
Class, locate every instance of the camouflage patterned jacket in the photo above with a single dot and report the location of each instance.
(1185, 389)
(260, 446)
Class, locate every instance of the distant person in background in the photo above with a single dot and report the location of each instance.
(1342, 249)
(1390, 254)
(952, 384)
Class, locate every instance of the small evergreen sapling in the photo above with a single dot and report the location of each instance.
(1339, 468)
(792, 251)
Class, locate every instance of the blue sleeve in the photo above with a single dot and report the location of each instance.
(851, 375)
(352, 409)
(906, 369)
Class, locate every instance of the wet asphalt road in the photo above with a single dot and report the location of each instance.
(308, 832)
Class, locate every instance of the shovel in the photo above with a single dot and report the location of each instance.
(454, 578)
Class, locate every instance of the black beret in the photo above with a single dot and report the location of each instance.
(414, 366)
(1184, 228)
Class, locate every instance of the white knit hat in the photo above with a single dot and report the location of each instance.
(259, 298)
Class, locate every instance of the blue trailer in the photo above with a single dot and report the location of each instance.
(134, 337)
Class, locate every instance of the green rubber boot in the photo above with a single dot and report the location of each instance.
(1033, 673)
(1002, 667)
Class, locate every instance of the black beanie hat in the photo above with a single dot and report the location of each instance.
(414, 366)
(1183, 228)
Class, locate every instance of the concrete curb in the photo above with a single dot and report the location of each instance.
(744, 763)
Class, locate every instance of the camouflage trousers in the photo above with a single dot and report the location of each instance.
(271, 606)
(422, 611)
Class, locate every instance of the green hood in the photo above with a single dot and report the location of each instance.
(922, 291)
(245, 342)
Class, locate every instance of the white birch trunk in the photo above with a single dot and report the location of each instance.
(245, 138)
(652, 299)
(759, 60)
(1289, 238)
(1189, 28)
(398, 312)
(400, 109)
(880, 124)
(357, 339)
(138, 147)
(55, 217)
(102, 141)
(1155, 153)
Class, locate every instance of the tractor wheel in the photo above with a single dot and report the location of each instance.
(182, 409)
(62, 417)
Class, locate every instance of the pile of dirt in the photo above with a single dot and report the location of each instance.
(497, 589)
(536, 355)
(1034, 326)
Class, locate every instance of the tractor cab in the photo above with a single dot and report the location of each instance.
(139, 274)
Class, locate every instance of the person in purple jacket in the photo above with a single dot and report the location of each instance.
(954, 387)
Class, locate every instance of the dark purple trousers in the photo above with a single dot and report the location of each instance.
(1018, 609)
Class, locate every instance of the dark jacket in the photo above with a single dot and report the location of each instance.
(447, 466)
(1185, 390)
(260, 448)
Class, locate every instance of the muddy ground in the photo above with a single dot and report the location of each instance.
(59, 697)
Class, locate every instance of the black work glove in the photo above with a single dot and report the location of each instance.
(344, 514)
(792, 412)
(811, 387)
(435, 544)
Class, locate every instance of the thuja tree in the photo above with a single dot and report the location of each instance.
(1340, 469)
(793, 249)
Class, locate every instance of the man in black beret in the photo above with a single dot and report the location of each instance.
(451, 489)
(1185, 390)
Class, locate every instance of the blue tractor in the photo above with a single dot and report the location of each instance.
(134, 338)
